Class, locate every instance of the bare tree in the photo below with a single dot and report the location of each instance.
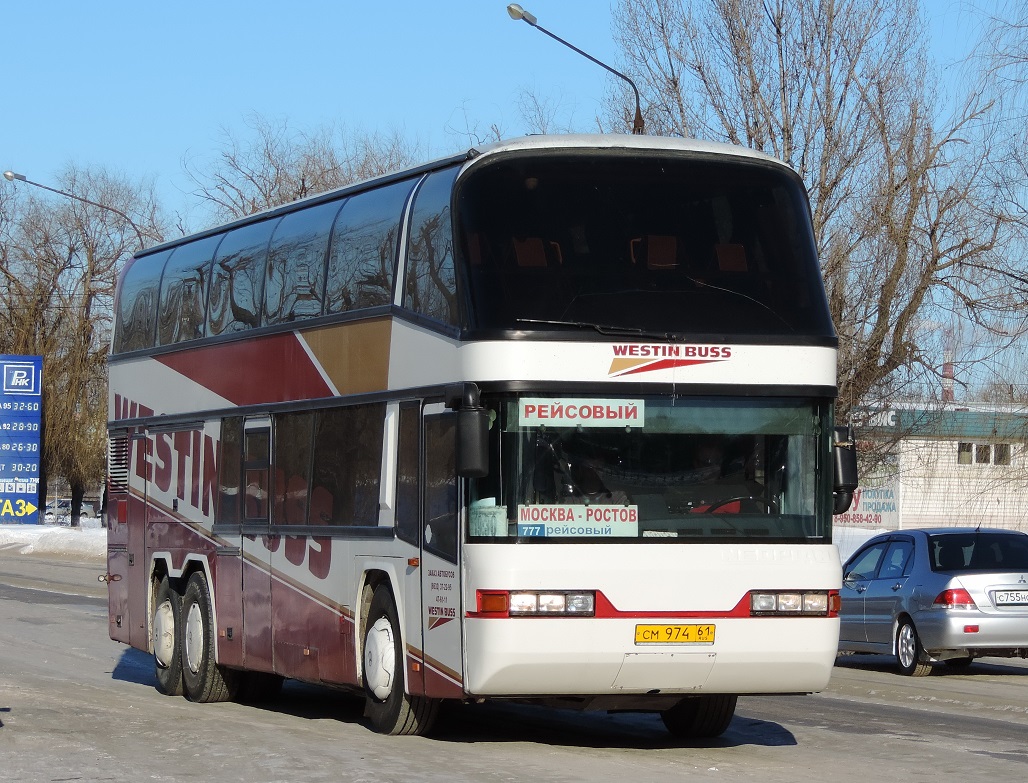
(58, 270)
(910, 224)
(276, 165)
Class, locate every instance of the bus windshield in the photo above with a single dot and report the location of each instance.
(635, 244)
(648, 468)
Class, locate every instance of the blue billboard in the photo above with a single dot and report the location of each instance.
(21, 433)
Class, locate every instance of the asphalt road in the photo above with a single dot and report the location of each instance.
(75, 706)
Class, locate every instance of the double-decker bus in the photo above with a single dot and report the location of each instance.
(548, 421)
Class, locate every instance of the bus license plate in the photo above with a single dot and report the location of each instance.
(674, 634)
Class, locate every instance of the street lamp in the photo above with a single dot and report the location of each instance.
(11, 176)
(518, 13)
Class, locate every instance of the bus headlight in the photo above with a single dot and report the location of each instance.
(537, 603)
(779, 603)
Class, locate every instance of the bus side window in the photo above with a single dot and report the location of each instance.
(407, 517)
(362, 256)
(347, 468)
(183, 307)
(257, 444)
(294, 287)
(237, 280)
(441, 486)
(230, 471)
(137, 303)
(430, 287)
(293, 432)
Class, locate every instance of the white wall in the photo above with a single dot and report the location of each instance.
(937, 491)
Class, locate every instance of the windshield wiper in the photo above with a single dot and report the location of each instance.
(701, 284)
(605, 329)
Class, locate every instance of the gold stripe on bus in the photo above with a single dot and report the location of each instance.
(354, 356)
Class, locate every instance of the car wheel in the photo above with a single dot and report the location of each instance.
(700, 717)
(913, 661)
(167, 655)
(203, 679)
(390, 709)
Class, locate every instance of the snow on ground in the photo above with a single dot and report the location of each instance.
(88, 542)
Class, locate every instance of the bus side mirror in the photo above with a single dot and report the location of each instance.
(472, 429)
(844, 452)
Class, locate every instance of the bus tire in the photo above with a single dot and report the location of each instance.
(164, 641)
(203, 679)
(389, 708)
(700, 717)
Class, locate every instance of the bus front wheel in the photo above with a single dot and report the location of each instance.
(700, 717)
(167, 654)
(203, 679)
(389, 708)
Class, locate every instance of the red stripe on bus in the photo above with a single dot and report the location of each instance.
(268, 369)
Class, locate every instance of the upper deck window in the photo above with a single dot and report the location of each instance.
(362, 257)
(296, 264)
(137, 303)
(703, 245)
(430, 288)
(237, 281)
(184, 292)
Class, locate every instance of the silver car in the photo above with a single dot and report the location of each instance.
(937, 594)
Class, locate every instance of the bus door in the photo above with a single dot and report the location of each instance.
(439, 545)
(258, 544)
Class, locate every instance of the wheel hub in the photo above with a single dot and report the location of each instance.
(380, 659)
(163, 638)
(192, 641)
(906, 646)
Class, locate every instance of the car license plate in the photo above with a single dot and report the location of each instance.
(675, 634)
(1011, 597)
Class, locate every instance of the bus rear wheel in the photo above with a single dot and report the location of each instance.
(700, 717)
(167, 654)
(389, 708)
(203, 679)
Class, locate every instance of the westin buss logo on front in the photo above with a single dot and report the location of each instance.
(634, 358)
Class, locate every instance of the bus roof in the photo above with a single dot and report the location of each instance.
(581, 141)
(620, 141)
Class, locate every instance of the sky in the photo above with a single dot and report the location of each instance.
(139, 88)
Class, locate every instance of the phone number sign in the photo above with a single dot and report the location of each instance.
(21, 431)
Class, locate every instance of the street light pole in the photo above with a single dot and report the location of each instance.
(11, 176)
(516, 12)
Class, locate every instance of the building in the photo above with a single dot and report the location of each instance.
(954, 465)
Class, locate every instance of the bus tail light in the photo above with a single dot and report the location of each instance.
(796, 603)
(537, 603)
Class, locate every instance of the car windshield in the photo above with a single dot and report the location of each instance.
(978, 552)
